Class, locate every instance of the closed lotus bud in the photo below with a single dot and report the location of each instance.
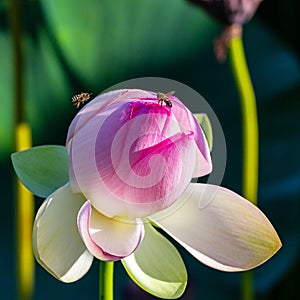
(230, 11)
(131, 156)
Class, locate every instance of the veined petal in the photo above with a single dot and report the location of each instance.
(220, 228)
(94, 107)
(127, 170)
(188, 122)
(156, 266)
(56, 241)
(120, 147)
(106, 238)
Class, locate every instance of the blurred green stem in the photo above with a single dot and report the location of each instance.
(250, 137)
(16, 39)
(106, 278)
(24, 205)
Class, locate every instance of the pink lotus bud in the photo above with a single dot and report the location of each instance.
(132, 156)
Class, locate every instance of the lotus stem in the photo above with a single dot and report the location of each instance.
(24, 205)
(250, 137)
(106, 278)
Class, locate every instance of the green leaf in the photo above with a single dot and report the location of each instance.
(42, 169)
(156, 266)
(118, 38)
(205, 124)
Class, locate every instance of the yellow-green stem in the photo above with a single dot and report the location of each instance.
(24, 211)
(250, 137)
(106, 279)
(249, 119)
(24, 205)
(247, 288)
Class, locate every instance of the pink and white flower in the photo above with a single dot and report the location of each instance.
(130, 163)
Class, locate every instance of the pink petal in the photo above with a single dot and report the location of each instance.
(188, 122)
(108, 239)
(98, 104)
(131, 157)
(220, 228)
(140, 162)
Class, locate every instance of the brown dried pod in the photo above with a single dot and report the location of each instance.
(229, 11)
(233, 14)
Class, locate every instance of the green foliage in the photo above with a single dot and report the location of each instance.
(122, 36)
(42, 169)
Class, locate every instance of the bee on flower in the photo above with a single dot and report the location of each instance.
(163, 98)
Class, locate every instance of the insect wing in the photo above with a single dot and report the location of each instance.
(75, 98)
(171, 93)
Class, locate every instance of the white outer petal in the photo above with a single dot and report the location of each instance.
(220, 228)
(56, 241)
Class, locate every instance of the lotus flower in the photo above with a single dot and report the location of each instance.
(131, 161)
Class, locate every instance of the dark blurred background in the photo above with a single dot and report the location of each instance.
(73, 46)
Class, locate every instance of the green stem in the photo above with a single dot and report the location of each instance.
(247, 286)
(24, 205)
(250, 137)
(106, 278)
(249, 119)
(16, 39)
